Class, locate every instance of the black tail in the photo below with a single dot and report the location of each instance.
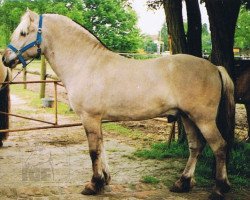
(4, 107)
(226, 112)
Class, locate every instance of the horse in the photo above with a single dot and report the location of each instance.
(103, 85)
(242, 87)
(4, 101)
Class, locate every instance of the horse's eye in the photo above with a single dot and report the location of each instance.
(23, 34)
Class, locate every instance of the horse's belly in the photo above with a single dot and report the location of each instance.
(139, 111)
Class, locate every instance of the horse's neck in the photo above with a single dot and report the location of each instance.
(68, 46)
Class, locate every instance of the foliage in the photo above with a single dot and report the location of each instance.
(206, 39)
(242, 34)
(164, 36)
(148, 44)
(239, 165)
(114, 22)
(11, 11)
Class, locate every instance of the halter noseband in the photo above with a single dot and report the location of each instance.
(37, 43)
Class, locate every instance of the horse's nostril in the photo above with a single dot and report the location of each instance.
(3, 58)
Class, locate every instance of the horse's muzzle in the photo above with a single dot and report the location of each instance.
(11, 64)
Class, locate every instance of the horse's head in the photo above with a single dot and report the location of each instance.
(25, 42)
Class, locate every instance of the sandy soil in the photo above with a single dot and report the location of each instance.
(54, 163)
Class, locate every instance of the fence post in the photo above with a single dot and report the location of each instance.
(43, 77)
(24, 78)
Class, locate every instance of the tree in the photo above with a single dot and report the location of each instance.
(114, 22)
(206, 39)
(242, 36)
(223, 17)
(174, 19)
(149, 45)
(115, 18)
(10, 12)
(194, 28)
(181, 42)
(164, 36)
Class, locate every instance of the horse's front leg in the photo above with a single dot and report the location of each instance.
(101, 175)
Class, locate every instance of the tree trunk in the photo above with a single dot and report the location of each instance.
(174, 19)
(194, 28)
(223, 17)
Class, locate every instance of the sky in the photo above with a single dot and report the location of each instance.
(150, 22)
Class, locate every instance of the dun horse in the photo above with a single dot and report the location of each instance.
(4, 102)
(103, 85)
(242, 88)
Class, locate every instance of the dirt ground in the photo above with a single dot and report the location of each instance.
(54, 164)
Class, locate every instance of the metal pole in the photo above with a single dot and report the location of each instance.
(55, 103)
(43, 77)
(23, 117)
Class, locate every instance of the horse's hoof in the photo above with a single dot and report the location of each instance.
(223, 186)
(89, 189)
(183, 185)
(178, 189)
(216, 196)
(107, 188)
(1, 143)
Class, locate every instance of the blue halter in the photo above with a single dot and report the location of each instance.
(37, 43)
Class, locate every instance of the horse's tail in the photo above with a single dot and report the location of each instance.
(4, 107)
(226, 111)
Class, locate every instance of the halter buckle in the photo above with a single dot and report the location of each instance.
(39, 30)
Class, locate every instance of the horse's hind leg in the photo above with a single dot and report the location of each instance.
(196, 145)
(218, 146)
(101, 175)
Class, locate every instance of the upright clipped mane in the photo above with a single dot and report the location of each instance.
(91, 32)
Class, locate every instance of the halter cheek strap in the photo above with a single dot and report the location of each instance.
(37, 43)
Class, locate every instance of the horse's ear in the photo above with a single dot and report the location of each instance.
(31, 14)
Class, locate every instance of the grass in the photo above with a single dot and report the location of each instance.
(33, 100)
(161, 151)
(238, 168)
(150, 179)
(113, 127)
